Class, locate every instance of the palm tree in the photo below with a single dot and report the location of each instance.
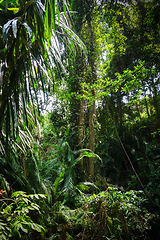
(33, 37)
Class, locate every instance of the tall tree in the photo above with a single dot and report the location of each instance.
(83, 22)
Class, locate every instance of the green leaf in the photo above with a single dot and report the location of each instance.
(3, 3)
(91, 184)
(58, 11)
(69, 237)
(14, 27)
(35, 206)
(28, 4)
(3, 237)
(36, 196)
(5, 30)
(36, 227)
(29, 30)
(9, 219)
(24, 229)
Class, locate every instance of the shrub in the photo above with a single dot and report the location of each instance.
(15, 219)
(111, 214)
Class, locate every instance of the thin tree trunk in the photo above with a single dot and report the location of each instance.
(91, 57)
(24, 169)
(147, 107)
(145, 99)
(155, 99)
(91, 140)
(81, 130)
(119, 105)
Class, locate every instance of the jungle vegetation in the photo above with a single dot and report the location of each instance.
(79, 119)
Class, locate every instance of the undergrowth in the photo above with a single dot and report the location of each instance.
(111, 214)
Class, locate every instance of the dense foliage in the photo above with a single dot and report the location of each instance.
(79, 119)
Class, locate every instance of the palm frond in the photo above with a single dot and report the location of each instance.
(32, 50)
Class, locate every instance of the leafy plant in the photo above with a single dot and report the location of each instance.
(15, 217)
(60, 167)
(118, 215)
(111, 214)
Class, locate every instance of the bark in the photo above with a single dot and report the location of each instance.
(119, 105)
(145, 99)
(147, 107)
(24, 169)
(81, 130)
(91, 141)
(91, 57)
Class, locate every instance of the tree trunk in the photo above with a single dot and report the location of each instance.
(91, 57)
(24, 168)
(119, 106)
(81, 130)
(146, 107)
(155, 99)
(91, 141)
